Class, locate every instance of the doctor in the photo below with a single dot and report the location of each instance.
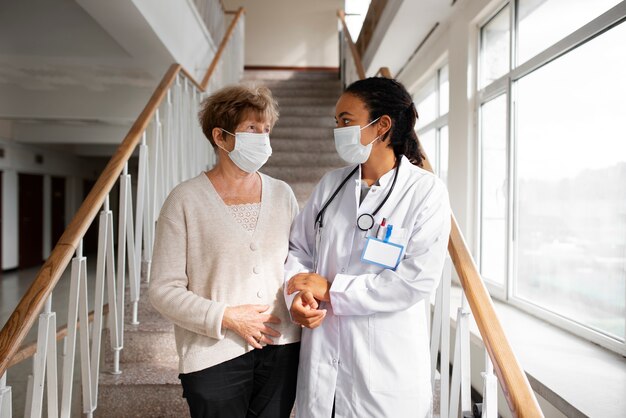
(366, 252)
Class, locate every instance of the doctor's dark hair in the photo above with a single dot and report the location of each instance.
(384, 96)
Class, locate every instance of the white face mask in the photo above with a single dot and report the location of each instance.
(348, 144)
(251, 150)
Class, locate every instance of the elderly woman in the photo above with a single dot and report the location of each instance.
(217, 272)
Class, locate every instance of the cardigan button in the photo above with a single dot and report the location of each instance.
(256, 270)
(259, 294)
(254, 247)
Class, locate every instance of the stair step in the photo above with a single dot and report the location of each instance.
(302, 133)
(302, 190)
(305, 159)
(284, 102)
(331, 85)
(296, 174)
(141, 390)
(290, 75)
(297, 145)
(304, 110)
(281, 93)
(326, 121)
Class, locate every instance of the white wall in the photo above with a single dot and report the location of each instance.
(292, 33)
(181, 29)
(20, 158)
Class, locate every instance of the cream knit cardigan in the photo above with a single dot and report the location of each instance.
(204, 261)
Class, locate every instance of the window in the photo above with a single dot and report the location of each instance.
(432, 103)
(553, 162)
(356, 10)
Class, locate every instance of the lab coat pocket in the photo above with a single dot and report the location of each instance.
(400, 236)
(392, 355)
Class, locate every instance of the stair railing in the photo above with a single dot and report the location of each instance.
(456, 396)
(214, 16)
(171, 148)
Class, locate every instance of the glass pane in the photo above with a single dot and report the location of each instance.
(495, 47)
(356, 10)
(426, 103)
(443, 154)
(494, 190)
(572, 184)
(429, 145)
(542, 23)
(444, 91)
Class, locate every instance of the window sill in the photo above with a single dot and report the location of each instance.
(577, 377)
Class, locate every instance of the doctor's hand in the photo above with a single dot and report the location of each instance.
(249, 322)
(312, 282)
(304, 310)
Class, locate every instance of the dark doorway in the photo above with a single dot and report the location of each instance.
(58, 209)
(1, 253)
(90, 240)
(30, 210)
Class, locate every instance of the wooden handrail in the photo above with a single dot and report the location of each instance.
(384, 72)
(220, 50)
(514, 383)
(355, 54)
(21, 320)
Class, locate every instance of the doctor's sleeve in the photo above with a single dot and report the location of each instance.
(416, 276)
(302, 242)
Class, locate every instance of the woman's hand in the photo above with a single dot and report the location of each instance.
(249, 322)
(304, 310)
(312, 282)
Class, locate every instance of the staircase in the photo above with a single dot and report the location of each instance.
(302, 140)
(303, 150)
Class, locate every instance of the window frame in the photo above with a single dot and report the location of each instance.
(441, 120)
(507, 84)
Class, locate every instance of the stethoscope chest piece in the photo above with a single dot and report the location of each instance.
(365, 222)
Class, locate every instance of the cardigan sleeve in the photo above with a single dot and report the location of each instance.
(168, 290)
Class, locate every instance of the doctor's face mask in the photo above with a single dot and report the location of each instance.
(348, 143)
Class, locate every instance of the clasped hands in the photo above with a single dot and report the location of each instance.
(313, 289)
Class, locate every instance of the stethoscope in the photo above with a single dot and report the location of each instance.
(365, 221)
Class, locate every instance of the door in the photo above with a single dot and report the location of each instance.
(58, 209)
(30, 210)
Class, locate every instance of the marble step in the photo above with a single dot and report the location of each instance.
(330, 85)
(309, 92)
(305, 121)
(305, 159)
(304, 132)
(302, 190)
(286, 101)
(296, 174)
(307, 110)
(141, 390)
(289, 75)
(298, 145)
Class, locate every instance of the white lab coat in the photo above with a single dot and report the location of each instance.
(371, 354)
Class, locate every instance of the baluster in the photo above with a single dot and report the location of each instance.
(45, 359)
(69, 345)
(126, 202)
(6, 408)
(116, 345)
(490, 390)
(460, 387)
(440, 338)
(141, 194)
(85, 330)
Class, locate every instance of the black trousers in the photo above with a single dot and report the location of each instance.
(261, 383)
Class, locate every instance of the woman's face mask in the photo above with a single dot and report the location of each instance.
(348, 144)
(251, 150)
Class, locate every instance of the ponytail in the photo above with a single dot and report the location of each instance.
(384, 96)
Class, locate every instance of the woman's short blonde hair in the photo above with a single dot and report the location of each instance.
(229, 106)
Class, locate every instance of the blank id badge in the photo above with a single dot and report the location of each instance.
(382, 253)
